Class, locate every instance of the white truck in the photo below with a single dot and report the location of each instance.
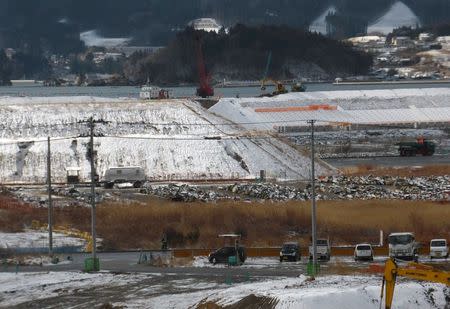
(131, 174)
(323, 249)
(403, 246)
(438, 248)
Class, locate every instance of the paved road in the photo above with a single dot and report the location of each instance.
(148, 282)
(391, 161)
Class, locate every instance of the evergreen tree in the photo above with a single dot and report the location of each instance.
(5, 69)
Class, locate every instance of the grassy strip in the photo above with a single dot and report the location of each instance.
(125, 226)
(429, 170)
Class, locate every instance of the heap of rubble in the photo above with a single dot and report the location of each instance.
(183, 193)
(433, 188)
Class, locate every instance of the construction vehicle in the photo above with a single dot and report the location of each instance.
(204, 90)
(421, 146)
(413, 271)
(279, 87)
(403, 246)
(298, 87)
(266, 71)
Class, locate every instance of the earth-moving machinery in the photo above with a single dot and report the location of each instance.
(279, 87)
(422, 146)
(204, 90)
(413, 271)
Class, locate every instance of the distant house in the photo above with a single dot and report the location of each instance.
(99, 57)
(367, 39)
(402, 41)
(129, 50)
(443, 39)
(205, 24)
(425, 36)
(10, 52)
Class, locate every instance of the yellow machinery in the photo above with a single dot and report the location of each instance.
(413, 271)
(279, 87)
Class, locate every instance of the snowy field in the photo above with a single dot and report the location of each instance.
(355, 106)
(76, 290)
(166, 138)
(36, 239)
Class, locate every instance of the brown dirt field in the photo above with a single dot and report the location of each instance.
(366, 169)
(126, 226)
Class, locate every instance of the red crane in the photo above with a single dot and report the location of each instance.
(205, 90)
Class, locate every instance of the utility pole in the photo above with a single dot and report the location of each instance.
(50, 202)
(93, 231)
(313, 201)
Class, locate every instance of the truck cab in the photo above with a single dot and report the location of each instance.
(403, 246)
(323, 249)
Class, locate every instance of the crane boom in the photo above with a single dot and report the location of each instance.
(413, 271)
(205, 89)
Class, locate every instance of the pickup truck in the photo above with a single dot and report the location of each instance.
(323, 249)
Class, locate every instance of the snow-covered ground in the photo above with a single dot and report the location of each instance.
(166, 138)
(37, 239)
(93, 38)
(133, 291)
(333, 292)
(320, 23)
(19, 288)
(397, 16)
(355, 106)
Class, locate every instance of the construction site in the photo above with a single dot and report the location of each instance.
(289, 199)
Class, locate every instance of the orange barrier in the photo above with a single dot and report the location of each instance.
(308, 108)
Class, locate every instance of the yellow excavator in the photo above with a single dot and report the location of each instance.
(279, 87)
(413, 271)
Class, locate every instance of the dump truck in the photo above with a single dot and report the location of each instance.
(421, 146)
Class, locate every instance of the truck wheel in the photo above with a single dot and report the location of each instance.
(281, 259)
(109, 185)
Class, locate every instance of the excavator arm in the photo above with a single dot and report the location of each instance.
(413, 271)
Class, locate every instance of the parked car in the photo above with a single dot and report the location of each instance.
(290, 251)
(323, 249)
(221, 255)
(438, 248)
(363, 252)
(131, 174)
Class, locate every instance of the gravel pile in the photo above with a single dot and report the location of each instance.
(183, 193)
(435, 188)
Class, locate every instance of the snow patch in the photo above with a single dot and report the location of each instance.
(398, 15)
(320, 23)
(92, 38)
(166, 138)
(36, 239)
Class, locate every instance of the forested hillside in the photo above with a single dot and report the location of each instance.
(242, 55)
(57, 23)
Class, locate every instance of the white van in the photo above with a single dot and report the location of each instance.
(131, 174)
(438, 248)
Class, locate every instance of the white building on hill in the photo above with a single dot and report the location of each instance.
(205, 24)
